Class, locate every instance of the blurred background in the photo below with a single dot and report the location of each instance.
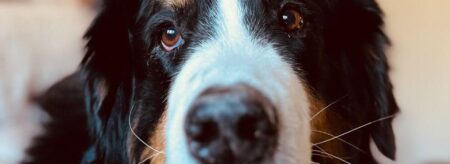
(41, 42)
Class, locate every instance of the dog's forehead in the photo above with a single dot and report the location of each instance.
(184, 3)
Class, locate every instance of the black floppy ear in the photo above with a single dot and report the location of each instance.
(107, 60)
(113, 70)
(355, 43)
(107, 70)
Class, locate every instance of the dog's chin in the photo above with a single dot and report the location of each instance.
(263, 161)
(279, 158)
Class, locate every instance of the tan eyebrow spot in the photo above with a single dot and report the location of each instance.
(177, 3)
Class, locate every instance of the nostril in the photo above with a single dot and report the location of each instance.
(231, 125)
(247, 127)
(203, 132)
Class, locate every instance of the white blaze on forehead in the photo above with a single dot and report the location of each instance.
(232, 56)
(231, 23)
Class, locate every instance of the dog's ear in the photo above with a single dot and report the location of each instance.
(107, 60)
(355, 44)
(112, 68)
(107, 70)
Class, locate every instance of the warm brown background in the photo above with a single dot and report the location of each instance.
(40, 41)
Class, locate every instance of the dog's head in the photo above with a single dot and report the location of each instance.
(235, 81)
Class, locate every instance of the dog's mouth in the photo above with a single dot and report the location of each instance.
(234, 124)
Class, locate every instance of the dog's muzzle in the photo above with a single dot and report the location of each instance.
(234, 124)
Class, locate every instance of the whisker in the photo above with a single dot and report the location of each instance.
(340, 139)
(328, 106)
(301, 160)
(321, 155)
(135, 135)
(152, 156)
(321, 149)
(357, 128)
(335, 157)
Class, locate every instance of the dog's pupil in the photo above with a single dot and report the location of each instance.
(288, 18)
(171, 33)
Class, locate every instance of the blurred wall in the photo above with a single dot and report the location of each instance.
(420, 60)
(40, 42)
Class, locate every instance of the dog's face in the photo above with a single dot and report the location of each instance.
(237, 96)
(235, 81)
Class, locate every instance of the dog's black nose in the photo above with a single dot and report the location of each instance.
(231, 125)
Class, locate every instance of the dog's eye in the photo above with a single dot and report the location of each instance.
(171, 38)
(291, 19)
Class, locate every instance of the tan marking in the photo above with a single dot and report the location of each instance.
(177, 3)
(327, 122)
(157, 141)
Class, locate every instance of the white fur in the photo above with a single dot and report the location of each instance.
(230, 57)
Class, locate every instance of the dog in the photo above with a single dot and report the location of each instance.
(226, 81)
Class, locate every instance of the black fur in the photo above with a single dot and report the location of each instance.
(117, 58)
(354, 66)
(66, 136)
(340, 51)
